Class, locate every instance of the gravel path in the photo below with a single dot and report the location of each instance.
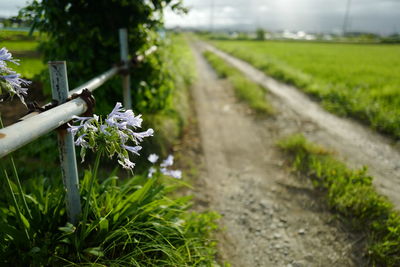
(355, 144)
(270, 216)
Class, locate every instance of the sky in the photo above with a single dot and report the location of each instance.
(379, 16)
(11, 7)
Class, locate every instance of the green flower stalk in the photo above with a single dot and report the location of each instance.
(109, 137)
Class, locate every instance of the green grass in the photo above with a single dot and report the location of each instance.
(20, 45)
(134, 222)
(29, 67)
(245, 89)
(12, 35)
(356, 80)
(24, 48)
(350, 193)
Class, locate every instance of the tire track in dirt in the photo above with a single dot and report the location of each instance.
(354, 143)
(270, 216)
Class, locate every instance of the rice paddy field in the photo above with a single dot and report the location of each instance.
(24, 48)
(357, 80)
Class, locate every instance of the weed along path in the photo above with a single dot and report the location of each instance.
(355, 144)
(270, 217)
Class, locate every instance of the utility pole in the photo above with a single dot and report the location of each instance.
(346, 17)
(212, 16)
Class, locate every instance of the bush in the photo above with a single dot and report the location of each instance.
(85, 33)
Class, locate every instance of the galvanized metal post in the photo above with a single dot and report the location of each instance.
(126, 83)
(59, 86)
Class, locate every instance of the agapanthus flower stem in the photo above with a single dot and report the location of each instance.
(19, 186)
(16, 206)
(89, 194)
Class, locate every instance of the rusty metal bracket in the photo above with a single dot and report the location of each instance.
(88, 97)
(35, 107)
(134, 62)
(123, 71)
(124, 67)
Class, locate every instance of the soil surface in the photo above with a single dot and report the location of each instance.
(355, 144)
(270, 216)
(12, 109)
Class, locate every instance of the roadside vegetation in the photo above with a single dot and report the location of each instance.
(135, 221)
(170, 122)
(350, 194)
(127, 219)
(356, 80)
(246, 90)
(130, 222)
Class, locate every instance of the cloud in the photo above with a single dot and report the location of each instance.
(381, 16)
(10, 7)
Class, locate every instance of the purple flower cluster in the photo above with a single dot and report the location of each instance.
(126, 121)
(168, 162)
(111, 136)
(9, 79)
(6, 56)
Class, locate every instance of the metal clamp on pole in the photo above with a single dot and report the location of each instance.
(126, 83)
(89, 99)
(59, 86)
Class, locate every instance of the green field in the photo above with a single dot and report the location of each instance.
(20, 45)
(24, 48)
(18, 35)
(357, 80)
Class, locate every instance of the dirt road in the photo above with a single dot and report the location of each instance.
(357, 145)
(271, 217)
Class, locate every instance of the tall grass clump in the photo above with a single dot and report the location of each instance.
(244, 89)
(134, 222)
(350, 193)
(130, 223)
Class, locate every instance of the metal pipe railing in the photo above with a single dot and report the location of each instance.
(96, 82)
(34, 125)
(24, 132)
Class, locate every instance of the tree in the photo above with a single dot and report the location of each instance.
(260, 34)
(85, 33)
